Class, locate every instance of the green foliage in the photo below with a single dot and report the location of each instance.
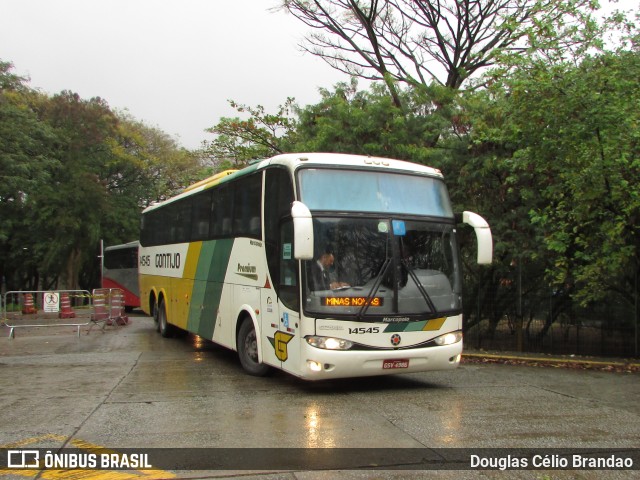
(349, 121)
(369, 122)
(345, 120)
(72, 172)
(582, 143)
(262, 135)
(25, 148)
(566, 140)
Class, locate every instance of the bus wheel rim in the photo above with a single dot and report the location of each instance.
(251, 346)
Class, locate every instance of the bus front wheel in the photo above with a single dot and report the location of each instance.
(248, 350)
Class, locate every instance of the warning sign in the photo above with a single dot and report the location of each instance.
(51, 302)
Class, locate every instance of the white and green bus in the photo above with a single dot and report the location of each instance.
(322, 265)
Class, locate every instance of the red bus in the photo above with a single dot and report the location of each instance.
(120, 270)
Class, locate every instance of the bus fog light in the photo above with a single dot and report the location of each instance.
(449, 338)
(314, 366)
(329, 343)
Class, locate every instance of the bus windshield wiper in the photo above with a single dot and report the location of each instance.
(421, 289)
(374, 288)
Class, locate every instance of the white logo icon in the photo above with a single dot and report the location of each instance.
(23, 458)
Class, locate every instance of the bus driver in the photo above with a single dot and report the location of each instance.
(319, 274)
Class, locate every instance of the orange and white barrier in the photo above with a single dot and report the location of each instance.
(63, 308)
(28, 307)
(108, 307)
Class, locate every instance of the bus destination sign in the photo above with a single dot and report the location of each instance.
(352, 301)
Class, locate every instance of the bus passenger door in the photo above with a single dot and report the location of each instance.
(280, 305)
(287, 337)
(281, 302)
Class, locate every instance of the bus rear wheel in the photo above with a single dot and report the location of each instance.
(164, 328)
(155, 316)
(248, 350)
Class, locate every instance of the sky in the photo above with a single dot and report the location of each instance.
(172, 64)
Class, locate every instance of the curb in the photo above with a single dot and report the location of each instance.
(586, 364)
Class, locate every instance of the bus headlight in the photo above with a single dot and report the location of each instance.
(448, 338)
(329, 343)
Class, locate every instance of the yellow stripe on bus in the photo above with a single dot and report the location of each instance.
(193, 254)
(434, 324)
(210, 180)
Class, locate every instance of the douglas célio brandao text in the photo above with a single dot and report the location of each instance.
(551, 461)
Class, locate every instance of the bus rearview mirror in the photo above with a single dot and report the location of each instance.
(483, 235)
(302, 231)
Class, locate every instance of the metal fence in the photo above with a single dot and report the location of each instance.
(608, 329)
(62, 308)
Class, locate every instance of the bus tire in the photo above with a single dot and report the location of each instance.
(248, 350)
(154, 313)
(164, 328)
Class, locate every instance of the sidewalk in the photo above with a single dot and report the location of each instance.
(577, 362)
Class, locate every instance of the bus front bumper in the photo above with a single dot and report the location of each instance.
(321, 364)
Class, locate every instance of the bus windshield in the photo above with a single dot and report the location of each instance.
(324, 189)
(382, 269)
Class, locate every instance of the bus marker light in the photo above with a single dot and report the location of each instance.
(314, 366)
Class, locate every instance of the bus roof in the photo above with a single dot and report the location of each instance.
(212, 180)
(296, 160)
(293, 161)
(134, 244)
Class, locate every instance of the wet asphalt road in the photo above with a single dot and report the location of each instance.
(127, 387)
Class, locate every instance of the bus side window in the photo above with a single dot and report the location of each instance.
(226, 229)
(288, 281)
(200, 216)
(247, 206)
(180, 221)
(221, 211)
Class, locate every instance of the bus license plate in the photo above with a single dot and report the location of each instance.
(387, 364)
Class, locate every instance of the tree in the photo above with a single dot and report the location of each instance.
(350, 121)
(68, 208)
(152, 166)
(483, 175)
(587, 161)
(560, 142)
(416, 42)
(26, 158)
(422, 52)
(73, 172)
(262, 135)
(367, 122)
(345, 120)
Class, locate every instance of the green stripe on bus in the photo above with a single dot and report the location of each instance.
(207, 288)
(405, 327)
